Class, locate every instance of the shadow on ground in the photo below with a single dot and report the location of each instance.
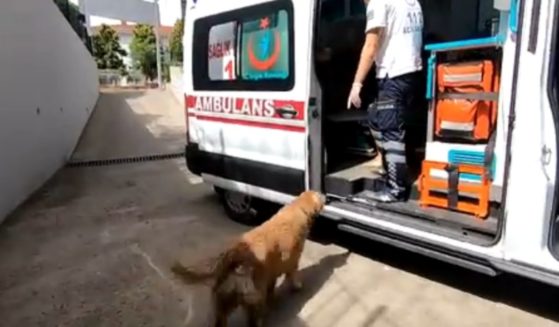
(518, 292)
(288, 304)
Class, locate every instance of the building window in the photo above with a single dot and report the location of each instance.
(248, 49)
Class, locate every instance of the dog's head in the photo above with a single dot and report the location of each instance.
(312, 202)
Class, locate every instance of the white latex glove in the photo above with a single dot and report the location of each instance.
(354, 97)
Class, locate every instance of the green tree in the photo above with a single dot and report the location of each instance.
(142, 50)
(175, 43)
(107, 50)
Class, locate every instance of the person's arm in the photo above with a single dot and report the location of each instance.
(368, 54)
(376, 22)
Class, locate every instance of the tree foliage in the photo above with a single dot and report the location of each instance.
(107, 50)
(143, 50)
(176, 41)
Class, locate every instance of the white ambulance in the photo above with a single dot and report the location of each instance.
(266, 86)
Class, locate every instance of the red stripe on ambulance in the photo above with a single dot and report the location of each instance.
(253, 123)
(236, 108)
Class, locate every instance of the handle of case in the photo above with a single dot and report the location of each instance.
(513, 18)
(431, 70)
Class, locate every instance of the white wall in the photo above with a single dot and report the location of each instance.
(125, 41)
(169, 12)
(48, 88)
(131, 10)
(177, 83)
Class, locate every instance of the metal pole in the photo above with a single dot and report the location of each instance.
(157, 45)
(83, 9)
(67, 7)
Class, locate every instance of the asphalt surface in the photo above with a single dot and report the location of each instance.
(93, 248)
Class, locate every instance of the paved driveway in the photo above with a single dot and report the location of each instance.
(94, 246)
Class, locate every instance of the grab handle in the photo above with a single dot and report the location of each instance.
(513, 18)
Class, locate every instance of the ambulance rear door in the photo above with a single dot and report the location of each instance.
(247, 89)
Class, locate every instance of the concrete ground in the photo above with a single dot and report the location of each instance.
(93, 249)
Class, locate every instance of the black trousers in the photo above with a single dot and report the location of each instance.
(396, 96)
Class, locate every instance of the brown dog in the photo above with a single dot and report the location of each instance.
(246, 273)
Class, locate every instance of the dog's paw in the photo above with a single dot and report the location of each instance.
(296, 285)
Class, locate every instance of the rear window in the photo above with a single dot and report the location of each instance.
(336, 10)
(248, 49)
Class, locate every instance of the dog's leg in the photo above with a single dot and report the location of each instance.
(270, 290)
(292, 275)
(222, 311)
(256, 311)
(220, 320)
(294, 280)
(255, 314)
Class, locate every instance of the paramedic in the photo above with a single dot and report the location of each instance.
(393, 40)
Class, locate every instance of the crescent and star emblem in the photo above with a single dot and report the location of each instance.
(265, 45)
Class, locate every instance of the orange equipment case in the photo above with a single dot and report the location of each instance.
(451, 200)
(466, 105)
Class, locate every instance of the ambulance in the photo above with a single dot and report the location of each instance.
(266, 85)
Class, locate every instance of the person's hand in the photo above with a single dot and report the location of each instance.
(354, 97)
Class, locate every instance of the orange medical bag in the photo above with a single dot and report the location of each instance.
(466, 105)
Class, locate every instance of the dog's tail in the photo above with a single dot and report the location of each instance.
(217, 267)
(190, 274)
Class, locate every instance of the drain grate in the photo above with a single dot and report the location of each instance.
(127, 160)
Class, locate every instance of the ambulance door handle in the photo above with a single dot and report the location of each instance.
(546, 155)
(314, 108)
(314, 113)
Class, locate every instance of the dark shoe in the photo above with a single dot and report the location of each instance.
(387, 195)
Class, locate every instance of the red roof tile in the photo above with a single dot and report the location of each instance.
(125, 29)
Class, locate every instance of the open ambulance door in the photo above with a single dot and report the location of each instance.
(316, 159)
(248, 100)
(533, 165)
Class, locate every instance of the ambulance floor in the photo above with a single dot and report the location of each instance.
(463, 221)
(93, 248)
(353, 183)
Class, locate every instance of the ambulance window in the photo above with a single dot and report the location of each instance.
(265, 48)
(251, 48)
(357, 8)
(332, 10)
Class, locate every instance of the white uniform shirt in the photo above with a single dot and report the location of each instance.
(399, 49)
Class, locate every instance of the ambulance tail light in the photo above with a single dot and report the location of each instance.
(187, 126)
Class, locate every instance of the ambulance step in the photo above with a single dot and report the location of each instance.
(348, 116)
(378, 236)
(351, 181)
(442, 222)
(438, 215)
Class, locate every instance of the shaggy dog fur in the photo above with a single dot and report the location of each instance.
(246, 273)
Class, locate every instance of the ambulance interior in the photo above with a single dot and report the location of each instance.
(449, 132)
